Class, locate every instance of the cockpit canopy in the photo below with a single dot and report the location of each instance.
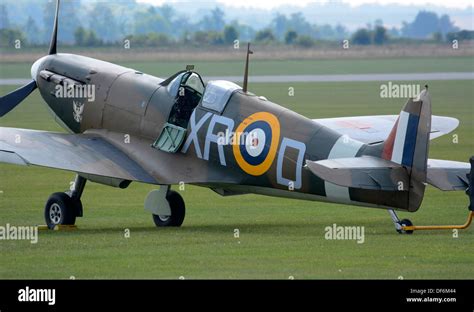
(188, 91)
(214, 95)
(188, 80)
(217, 94)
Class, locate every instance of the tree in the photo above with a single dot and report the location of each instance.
(4, 21)
(280, 25)
(167, 11)
(245, 32)
(181, 25)
(445, 25)
(68, 21)
(185, 37)
(207, 37)
(157, 40)
(298, 23)
(361, 36)
(380, 35)
(103, 21)
(426, 23)
(32, 31)
(80, 36)
(340, 32)
(214, 21)
(460, 35)
(290, 36)
(200, 38)
(215, 37)
(48, 19)
(151, 21)
(264, 36)
(325, 31)
(393, 32)
(86, 38)
(92, 40)
(230, 34)
(437, 36)
(9, 36)
(305, 41)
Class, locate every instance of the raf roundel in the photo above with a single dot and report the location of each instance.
(257, 142)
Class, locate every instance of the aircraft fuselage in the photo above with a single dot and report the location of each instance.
(270, 160)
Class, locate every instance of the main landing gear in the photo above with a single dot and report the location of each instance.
(62, 208)
(167, 207)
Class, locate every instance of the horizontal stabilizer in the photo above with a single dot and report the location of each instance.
(364, 172)
(448, 175)
(375, 129)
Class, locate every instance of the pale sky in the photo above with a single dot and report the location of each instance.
(262, 4)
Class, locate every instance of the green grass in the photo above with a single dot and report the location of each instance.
(278, 237)
(285, 67)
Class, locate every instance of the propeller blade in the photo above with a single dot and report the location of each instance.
(54, 36)
(12, 99)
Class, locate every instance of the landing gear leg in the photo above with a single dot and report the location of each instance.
(399, 224)
(76, 193)
(62, 208)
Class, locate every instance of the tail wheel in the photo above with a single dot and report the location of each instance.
(61, 209)
(178, 211)
(405, 222)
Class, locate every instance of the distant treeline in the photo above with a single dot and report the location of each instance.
(115, 23)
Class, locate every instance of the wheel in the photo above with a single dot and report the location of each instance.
(178, 211)
(60, 209)
(405, 222)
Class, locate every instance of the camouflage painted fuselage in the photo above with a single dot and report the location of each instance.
(130, 109)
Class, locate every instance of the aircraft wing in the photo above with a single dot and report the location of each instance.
(81, 153)
(374, 129)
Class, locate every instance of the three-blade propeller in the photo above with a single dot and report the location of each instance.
(12, 99)
(9, 101)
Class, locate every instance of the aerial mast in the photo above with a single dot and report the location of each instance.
(246, 74)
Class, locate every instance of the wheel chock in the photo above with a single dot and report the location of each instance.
(59, 227)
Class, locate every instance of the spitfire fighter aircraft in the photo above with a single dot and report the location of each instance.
(127, 126)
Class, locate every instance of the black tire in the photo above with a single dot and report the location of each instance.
(405, 222)
(60, 209)
(178, 211)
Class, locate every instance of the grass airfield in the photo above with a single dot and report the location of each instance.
(279, 238)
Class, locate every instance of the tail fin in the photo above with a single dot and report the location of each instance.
(400, 168)
(408, 144)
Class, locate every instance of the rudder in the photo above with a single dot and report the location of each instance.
(408, 145)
